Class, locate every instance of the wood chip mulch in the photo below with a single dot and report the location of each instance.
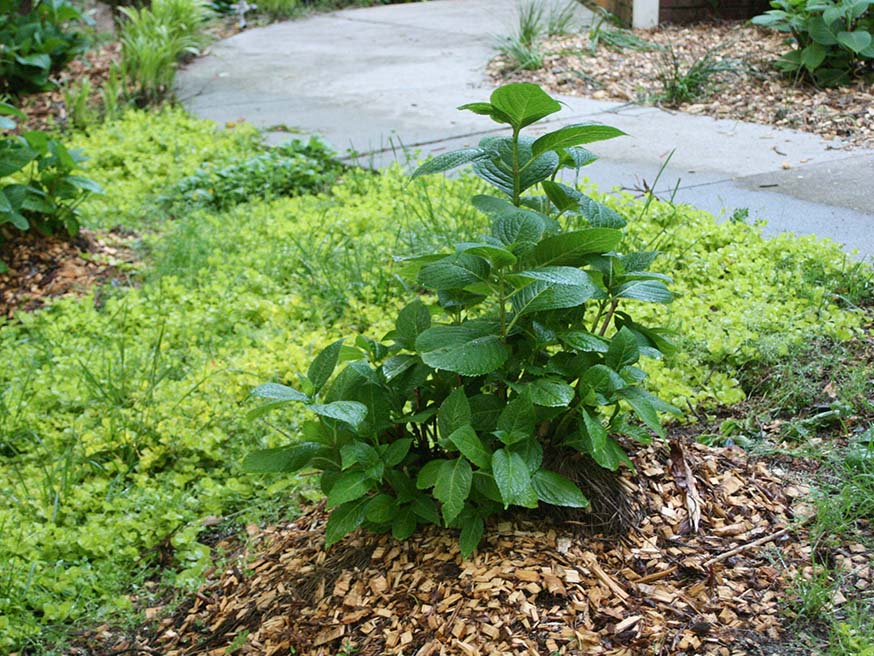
(531, 588)
(753, 91)
(42, 267)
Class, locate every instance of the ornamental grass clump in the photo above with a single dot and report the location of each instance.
(514, 374)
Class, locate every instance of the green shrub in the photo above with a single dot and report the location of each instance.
(287, 170)
(523, 360)
(833, 39)
(35, 44)
(684, 82)
(152, 41)
(38, 190)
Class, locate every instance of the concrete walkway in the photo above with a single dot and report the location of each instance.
(376, 79)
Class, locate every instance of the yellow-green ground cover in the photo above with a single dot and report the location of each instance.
(122, 413)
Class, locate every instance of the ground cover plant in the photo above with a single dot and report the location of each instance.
(122, 413)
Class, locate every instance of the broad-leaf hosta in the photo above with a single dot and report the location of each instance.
(518, 352)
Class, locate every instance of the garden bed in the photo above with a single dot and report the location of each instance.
(751, 90)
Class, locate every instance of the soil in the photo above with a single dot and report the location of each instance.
(41, 267)
(750, 90)
(708, 570)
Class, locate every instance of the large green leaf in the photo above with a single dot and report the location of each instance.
(487, 109)
(562, 275)
(323, 365)
(395, 452)
(542, 295)
(523, 103)
(813, 55)
(454, 413)
(465, 349)
(14, 157)
(856, 41)
(344, 520)
(453, 487)
(511, 475)
(574, 135)
(282, 459)
(471, 447)
(349, 412)
(412, 321)
(598, 444)
(497, 168)
(550, 393)
(404, 524)
(498, 256)
(471, 533)
(646, 406)
(516, 421)
(584, 342)
(555, 489)
(381, 509)
(428, 474)
(349, 486)
(518, 226)
(623, 350)
(447, 161)
(571, 248)
(454, 272)
(652, 291)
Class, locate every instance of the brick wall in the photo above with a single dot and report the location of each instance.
(620, 8)
(689, 11)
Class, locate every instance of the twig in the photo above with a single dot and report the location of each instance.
(756, 543)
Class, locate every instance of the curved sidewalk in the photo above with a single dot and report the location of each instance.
(373, 80)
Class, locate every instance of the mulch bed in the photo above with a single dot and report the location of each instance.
(43, 267)
(753, 91)
(532, 587)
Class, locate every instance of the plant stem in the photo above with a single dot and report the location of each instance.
(609, 317)
(516, 182)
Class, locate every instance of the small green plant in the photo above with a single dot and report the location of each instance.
(152, 42)
(605, 29)
(36, 43)
(521, 48)
(38, 190)
(561, 19)
(834, 39)
(684, 81)
(290, 169)
(515, 370)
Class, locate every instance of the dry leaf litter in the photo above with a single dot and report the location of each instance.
(752, 91)
(531, 588)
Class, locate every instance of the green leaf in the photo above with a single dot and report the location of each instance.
(324, 364)
(402, 484)
(485, 410)
(5, 205)
(598, 444)
(9, 110)
(651, 291)
(497, 168)
(471, 533)
(343, 520)
(471, 447)
(574, 135)
(812, 56)
(516, 422)
(454, 413)
(426, 509)
(584, 342)
(531, 452)
(558, 196)
(359, 453)
(499, 257)
(550, 393)
(454, 272)
(555, 489)
(560, 275)
(349, 412)
(623, 350)
(856, 41)
(349, 486)
(38, 60)
(86, 184)
(404, 524)
(487, 109)
(412, 321)
(7, 123)
(518, 226)
(570, 248)
(461, 349)
(448, 161)
(428, 474)
(282, 459)
(511, 475)
(396, 452)
(646, 406)
(576, 158)
(523, 103)
(278, 392)
(453, 487)
(15, 157)
(542, 295)
(381, 509)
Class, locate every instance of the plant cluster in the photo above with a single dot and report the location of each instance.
(153, 39)
(35, 41)
(605, 29)
(295, 167)
(533, 22)
(38, 190)
(833, 39)
(684, 82)
(521, 360)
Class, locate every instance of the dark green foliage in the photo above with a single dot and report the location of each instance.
(37, 187)
(517, 348)
(293, 168)
(684, 81)
(36, 43)
(834, 40)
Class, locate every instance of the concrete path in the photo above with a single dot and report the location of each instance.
(379, 79)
